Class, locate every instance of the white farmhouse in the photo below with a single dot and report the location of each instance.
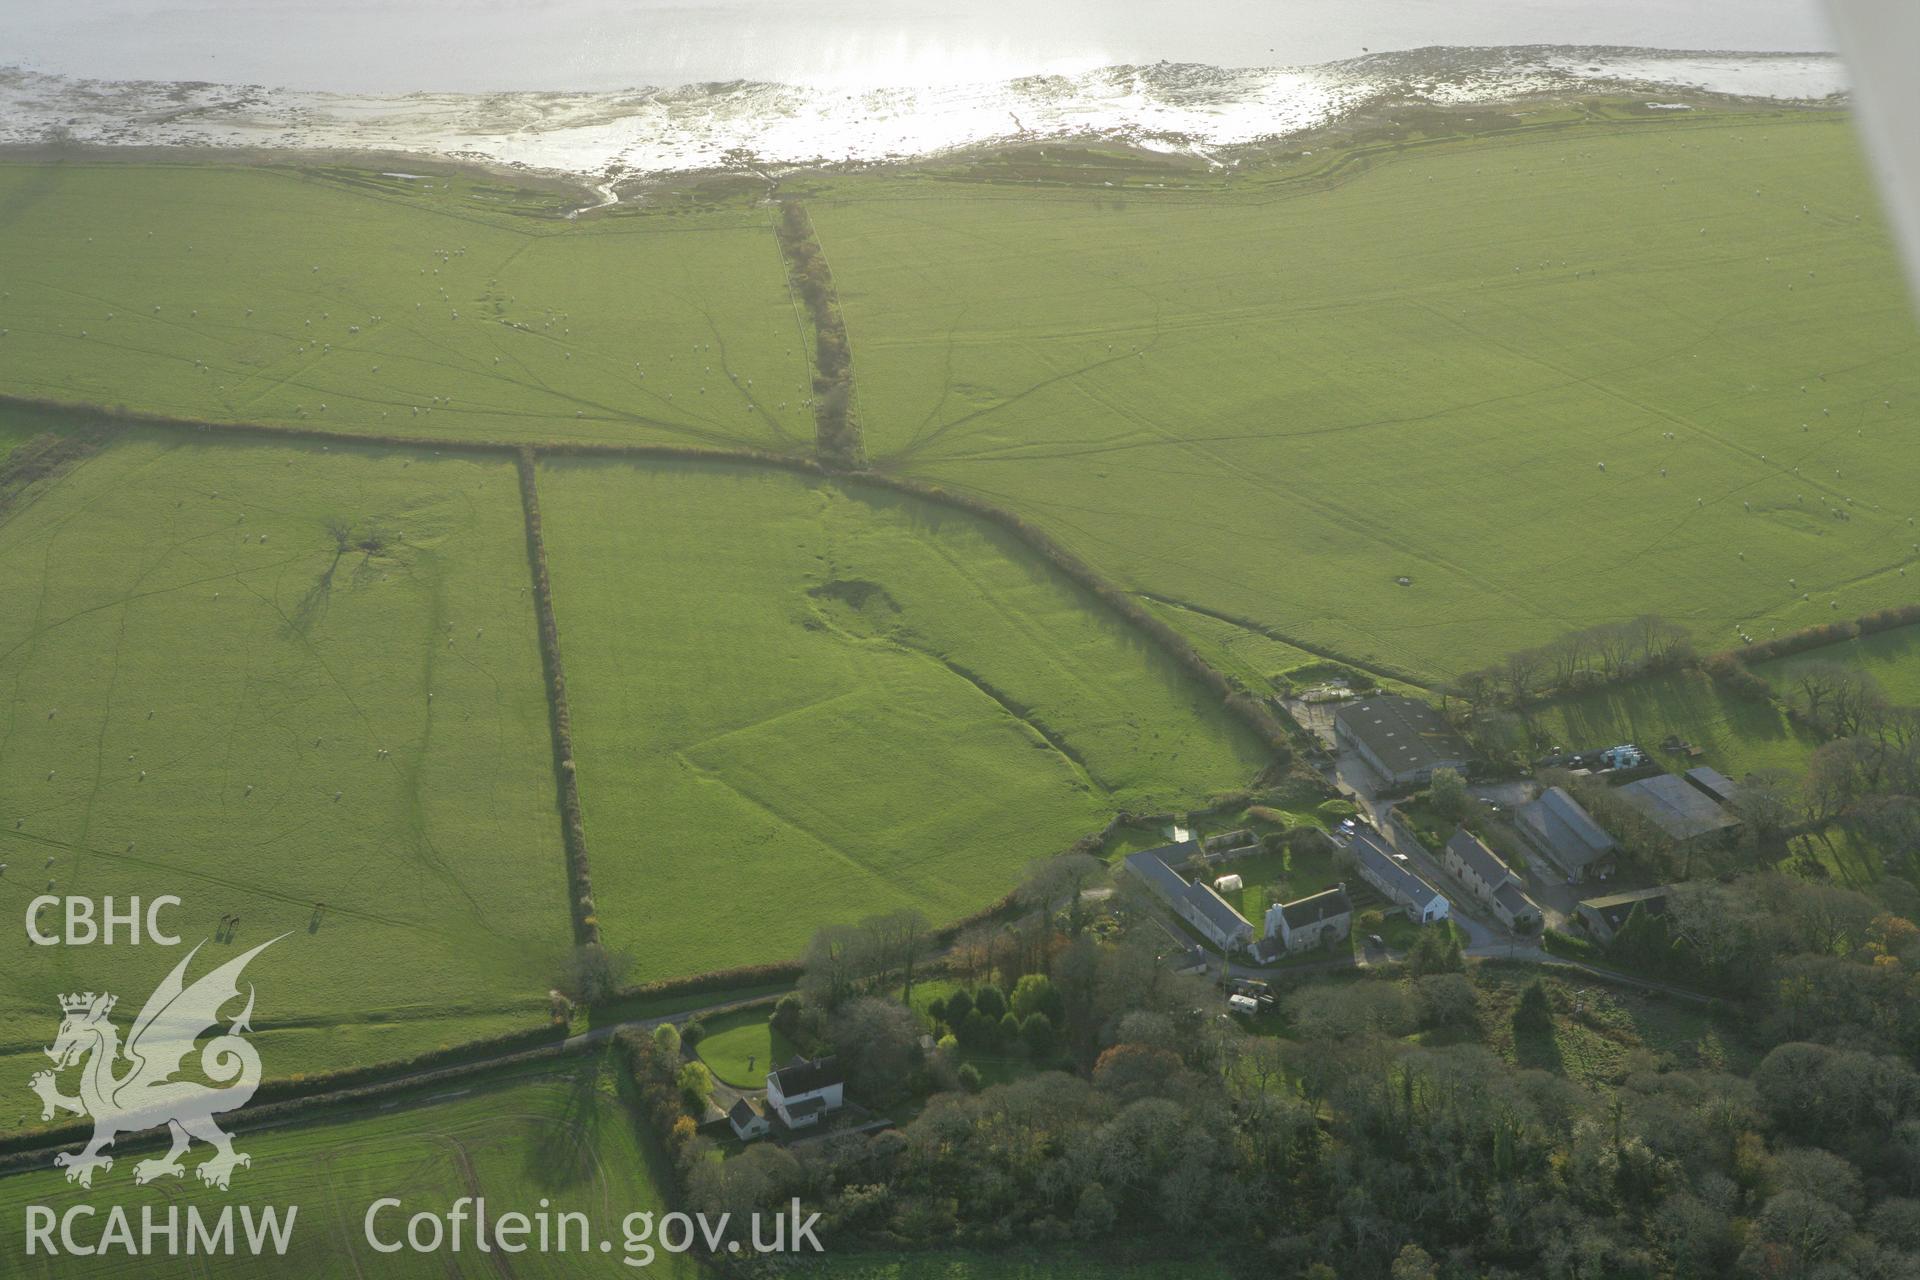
(805, 1090)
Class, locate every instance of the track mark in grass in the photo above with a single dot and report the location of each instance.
(1271, 633)
(818, 838)
(1060, 746)
(864, 611)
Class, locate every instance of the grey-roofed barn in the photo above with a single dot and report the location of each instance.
(1684, 813)
(1604, 916)
(1155, 867)
(1714, 783)
(1402, 739)
(1567, 834)
(1311, 921)
(1196, 902)
(1393, 878)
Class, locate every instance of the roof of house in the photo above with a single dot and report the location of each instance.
(1403, 733)
(1218, 911)
(807, 1106)
(1509, 896)
(1714, 783)
(1681, 811)
(1372, 853)
(1616, 907)
(1473, 852)
(1572, 837)
(1314, 908)
(1155, 867)
(804, 1075)
(742, 1113)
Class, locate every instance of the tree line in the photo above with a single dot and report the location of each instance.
(836, 432)
(586, 923)
(1580, 659)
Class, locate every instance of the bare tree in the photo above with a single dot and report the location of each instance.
(1521, 671)
(1833, 779)
(1051, 881)
(1613, 643)
(1476, 686)
(1568, 654)
(1826, 691)
(1768, 805)
(1857, 704)
(894, 944)
(1658, 638)
(837, 960)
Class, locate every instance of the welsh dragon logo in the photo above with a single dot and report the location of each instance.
(143, 1096)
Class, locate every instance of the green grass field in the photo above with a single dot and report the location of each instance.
(1262, 663)
(1735, 736)
(563, 1138)
(1272, 398)
(1276, 400)
(1892, 658)
(369, 304)
(204, 693)
(796, 702)
(741, 1046)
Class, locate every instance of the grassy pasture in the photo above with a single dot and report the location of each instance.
(563, 1137)
(1736, 736)
(206, 648)
(734, 1039)
(796, 702)
(1262, 663)
(1276, 400)
(1892, 658)
(263, 294)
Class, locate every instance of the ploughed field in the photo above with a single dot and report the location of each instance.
(562, 1139)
